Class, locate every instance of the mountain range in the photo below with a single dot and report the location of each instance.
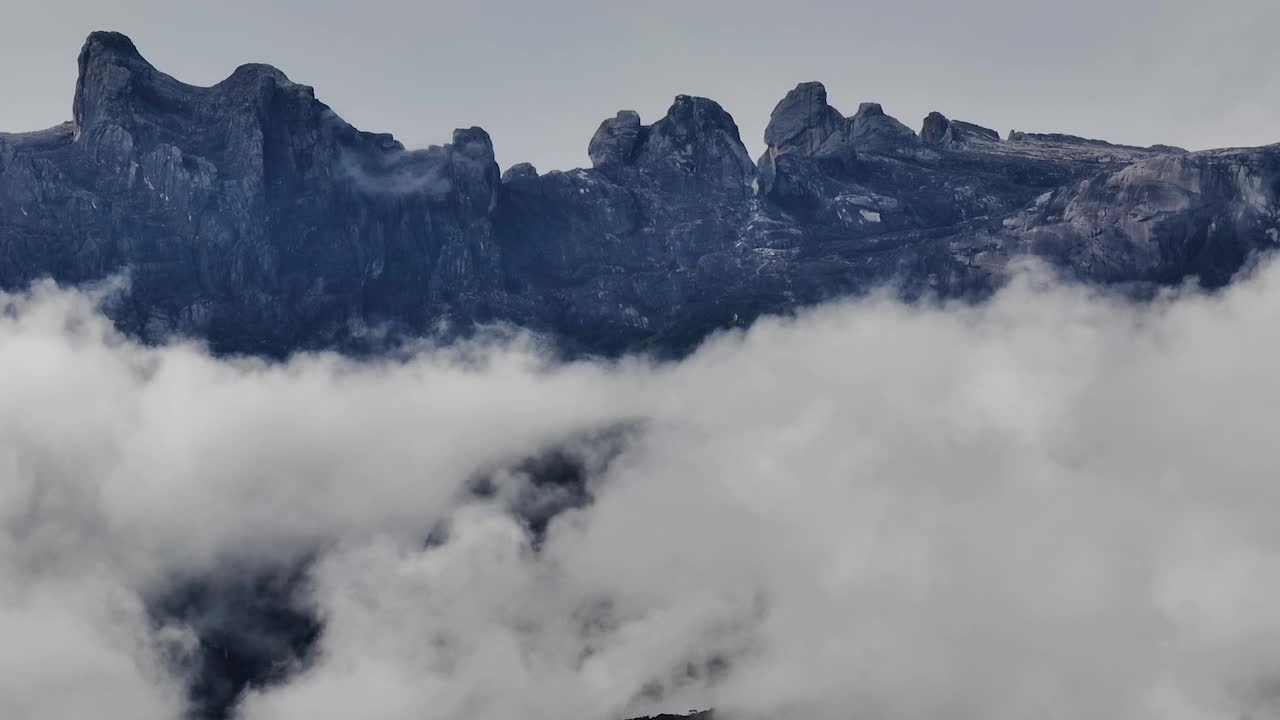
(249, 215)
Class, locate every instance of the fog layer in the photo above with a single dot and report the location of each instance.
(1059, 504)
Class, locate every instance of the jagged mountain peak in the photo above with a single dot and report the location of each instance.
(869, 109)
(696, 140)
(520, 171)
(804, 122)
(249, 214)
(116, 84)
(108, 64)
(614, 143)
(101, 42)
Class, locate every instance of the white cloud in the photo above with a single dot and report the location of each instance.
(1057, 504)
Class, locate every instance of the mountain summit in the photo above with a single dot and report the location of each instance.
(250, 215)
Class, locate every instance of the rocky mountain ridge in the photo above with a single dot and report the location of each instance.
(250, 215)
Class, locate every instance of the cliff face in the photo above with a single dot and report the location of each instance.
(250, 215)
(247, 212)
(1160, 219)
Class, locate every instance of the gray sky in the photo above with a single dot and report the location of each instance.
(539, 76)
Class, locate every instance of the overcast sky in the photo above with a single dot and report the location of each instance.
(539, 76)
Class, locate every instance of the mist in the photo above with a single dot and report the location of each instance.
(1056, 504)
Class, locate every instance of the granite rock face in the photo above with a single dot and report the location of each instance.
(616, 140)
(250, 215)
(247, 213)
(1160, 219)
(802, 121)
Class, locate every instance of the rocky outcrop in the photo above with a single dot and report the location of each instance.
(938, 131)
(611, 255)
(802, 121)
(616, 140)
(695, 146)
(520, 171)
(804, 124)
(869, 176)
(1160, 219)
(247, 212)
(250, 215)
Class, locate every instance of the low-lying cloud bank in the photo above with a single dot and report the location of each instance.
(1055, 505)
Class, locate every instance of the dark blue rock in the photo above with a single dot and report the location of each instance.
(250, 215)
